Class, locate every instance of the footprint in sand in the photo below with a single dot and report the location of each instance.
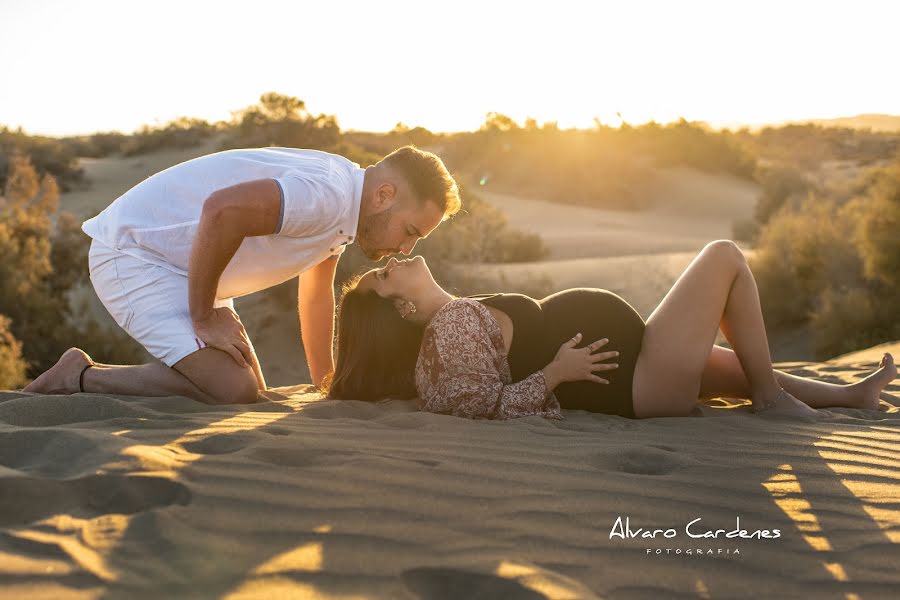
(662, 447)
(276, 430)
(300, 457)
(222, 443)
(518, 582)
(651, 461)
(451, 584)
(644, 460)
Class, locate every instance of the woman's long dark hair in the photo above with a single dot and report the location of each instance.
(377, 349)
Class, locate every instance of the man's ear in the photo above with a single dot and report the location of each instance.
(385, 195)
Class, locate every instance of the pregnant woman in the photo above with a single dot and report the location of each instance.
(498, 356)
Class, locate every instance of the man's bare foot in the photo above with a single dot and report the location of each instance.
(869, 389)
(782, 404)
(62, 378)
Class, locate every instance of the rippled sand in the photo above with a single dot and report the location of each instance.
(115, 497)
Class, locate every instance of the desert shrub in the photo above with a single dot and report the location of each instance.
(44, 259)
(780, 185)
(744, 230)
(96, 145)
(47, 156)
(280, 120)
(12, 364)
(183, 132)
(693, 145)
(879, 227)
(798, 255)
(381, 144)
(835, 266)
(807, 146)
(851, 319)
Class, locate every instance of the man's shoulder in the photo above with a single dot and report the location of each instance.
(337, 169)
(336, 160)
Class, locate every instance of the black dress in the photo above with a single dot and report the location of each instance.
(541, 326)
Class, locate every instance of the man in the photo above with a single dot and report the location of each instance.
(168, 257)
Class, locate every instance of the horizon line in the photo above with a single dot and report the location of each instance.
(717, 125)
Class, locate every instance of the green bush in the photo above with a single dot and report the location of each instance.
(835, 266)
(780, 185)
(280, 120)
(852, 319)
(49, 156)
(96, 145)
(183, 132)
(12, 365)
(44, 259)
(809, 145)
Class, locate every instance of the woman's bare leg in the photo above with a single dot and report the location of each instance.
(716, 288)
(723, 376)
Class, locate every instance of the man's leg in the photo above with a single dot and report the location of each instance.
(151, 304)
(208, 375)
(204, 376)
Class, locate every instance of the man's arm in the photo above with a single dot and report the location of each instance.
(228, 216)
(315, 301)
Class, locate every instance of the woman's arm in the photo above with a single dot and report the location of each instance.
(458, 372)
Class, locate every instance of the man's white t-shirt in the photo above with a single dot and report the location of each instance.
(156, 220)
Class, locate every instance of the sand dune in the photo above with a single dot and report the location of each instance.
(114, 497)
(686, 209)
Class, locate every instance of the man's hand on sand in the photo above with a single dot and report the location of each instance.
(222, 329)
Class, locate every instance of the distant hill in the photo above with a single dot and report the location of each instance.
(873, 122)
(881, 123)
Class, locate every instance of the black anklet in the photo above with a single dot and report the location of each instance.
(81, 378)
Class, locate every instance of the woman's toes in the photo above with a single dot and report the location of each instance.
(871, 386)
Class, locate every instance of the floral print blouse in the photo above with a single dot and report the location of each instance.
(463, 370)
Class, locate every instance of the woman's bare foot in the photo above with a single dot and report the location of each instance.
(867, 391)
(782, 404)
(62, 378)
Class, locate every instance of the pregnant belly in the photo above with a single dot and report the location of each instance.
(595, 313)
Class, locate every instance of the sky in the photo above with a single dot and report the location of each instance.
(73, 67)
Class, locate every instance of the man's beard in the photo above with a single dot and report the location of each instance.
(374, 228)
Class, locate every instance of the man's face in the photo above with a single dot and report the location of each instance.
(397, 228)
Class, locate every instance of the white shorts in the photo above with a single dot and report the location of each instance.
(147, 301)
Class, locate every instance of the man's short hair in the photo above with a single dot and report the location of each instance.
(427, 176)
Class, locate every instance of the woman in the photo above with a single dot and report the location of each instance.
(400, 335)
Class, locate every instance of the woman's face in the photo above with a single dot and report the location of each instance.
(398, 278)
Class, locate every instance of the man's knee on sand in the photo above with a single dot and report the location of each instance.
(219, 377)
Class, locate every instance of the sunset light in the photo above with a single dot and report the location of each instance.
(80, 67)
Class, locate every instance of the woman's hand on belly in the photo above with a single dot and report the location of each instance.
(578, 364)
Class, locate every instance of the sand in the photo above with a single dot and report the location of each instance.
(117, 497)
